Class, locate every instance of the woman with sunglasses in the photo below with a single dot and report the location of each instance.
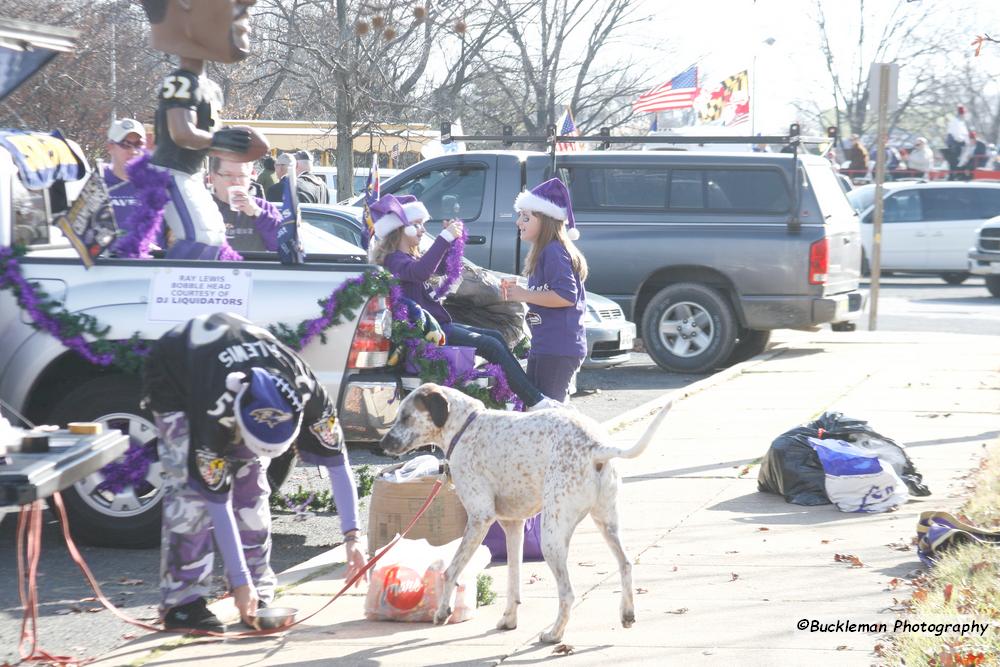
(126, 141)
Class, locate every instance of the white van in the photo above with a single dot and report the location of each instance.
(927, 227)
(329, 174)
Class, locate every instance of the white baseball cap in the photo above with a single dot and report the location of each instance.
(123, 127)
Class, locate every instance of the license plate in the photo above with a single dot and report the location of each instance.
(625, 340)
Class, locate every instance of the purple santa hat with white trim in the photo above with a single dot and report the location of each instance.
(551, 198)
(413, 208)
(389, 215)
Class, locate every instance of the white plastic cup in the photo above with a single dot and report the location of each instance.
(234, 189)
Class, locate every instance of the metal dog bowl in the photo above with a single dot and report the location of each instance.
(275, 617)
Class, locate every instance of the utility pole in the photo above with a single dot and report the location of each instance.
(884, 74)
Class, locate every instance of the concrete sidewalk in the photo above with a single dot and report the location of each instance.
(724, 573)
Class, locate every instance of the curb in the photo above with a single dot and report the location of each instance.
(652, 406)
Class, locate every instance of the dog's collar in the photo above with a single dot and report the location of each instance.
(454, 441)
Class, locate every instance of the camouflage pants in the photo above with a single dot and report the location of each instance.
(186, 549)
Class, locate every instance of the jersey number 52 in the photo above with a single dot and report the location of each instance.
(176, 88)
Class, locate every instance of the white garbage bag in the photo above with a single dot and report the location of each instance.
(857, 480)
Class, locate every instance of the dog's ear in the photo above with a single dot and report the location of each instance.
(436, 403)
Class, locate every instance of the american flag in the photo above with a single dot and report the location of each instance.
(567, 128)
(678, 93)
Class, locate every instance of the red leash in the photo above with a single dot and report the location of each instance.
(29, 540)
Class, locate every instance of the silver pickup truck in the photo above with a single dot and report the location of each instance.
(43, 380)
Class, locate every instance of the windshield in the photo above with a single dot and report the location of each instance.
(861, 198)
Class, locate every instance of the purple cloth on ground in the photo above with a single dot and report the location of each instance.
(496, 540)
(413, 274)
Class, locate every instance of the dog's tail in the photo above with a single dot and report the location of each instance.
(604, 453)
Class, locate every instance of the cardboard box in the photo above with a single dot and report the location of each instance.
(394, 504)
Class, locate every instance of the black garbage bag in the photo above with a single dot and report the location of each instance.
(477, 302)
(792, 468)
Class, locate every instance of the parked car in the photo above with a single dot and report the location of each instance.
(329, 173)
(342, 221)
(706, 252)
(609, 335)
(984, 257)
(927, 227)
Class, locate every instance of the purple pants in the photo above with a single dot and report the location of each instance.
(187, 556)
(552, 374)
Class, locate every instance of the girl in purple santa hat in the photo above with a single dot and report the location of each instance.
(399, 226)
(555, 296)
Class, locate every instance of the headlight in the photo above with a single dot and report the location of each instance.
(591, 316)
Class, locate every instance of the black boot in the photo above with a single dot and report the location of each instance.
(193, 616)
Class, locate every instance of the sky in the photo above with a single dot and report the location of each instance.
(726, 36)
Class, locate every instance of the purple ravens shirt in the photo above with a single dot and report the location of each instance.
(557, 331)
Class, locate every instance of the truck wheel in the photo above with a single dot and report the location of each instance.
(131, 517)
(750, 343)
(954, 278)
(993, 285)
(689, 328)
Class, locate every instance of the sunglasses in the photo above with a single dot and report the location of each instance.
(131, 144)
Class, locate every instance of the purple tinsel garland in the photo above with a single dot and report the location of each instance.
(316, 326)
(129, 471)
(452, 265)
(152, 187)
(151, 191)
(30, 302)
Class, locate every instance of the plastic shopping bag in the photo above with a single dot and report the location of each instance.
(407, 584)
(857, 480)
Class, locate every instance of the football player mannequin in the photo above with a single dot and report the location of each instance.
(188, 125)
(224, 394)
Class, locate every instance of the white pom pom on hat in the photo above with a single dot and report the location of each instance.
(388, 215)
(391, 212)
(551, 198)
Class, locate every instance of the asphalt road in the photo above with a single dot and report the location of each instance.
(71, 623)
(908, 303)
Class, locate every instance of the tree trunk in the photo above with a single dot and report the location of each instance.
(345, 125)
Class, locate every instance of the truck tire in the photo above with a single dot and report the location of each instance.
(750, 343)
(993, 285)
(689, 328)
(131, 518)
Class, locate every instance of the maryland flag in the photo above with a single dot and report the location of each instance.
(729, 104)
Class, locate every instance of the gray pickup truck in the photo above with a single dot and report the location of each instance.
(707, 252)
